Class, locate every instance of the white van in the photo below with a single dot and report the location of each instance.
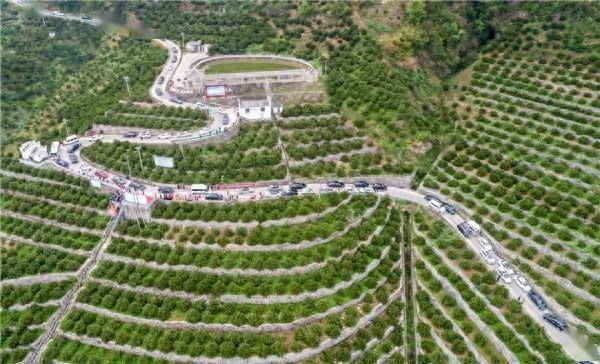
(436, 205)
(71, 139)
(199, 188)
(474, 226)
(54, 149)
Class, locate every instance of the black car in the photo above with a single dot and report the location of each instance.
(465, 229)
(137, 186)
(166, 189)
(73, 148)
(555, 321)
(130, 134)
(214, 197)
(62, 163)
(449, 208)
(159, 92)
(290, 192)
(379, 187)
(335, 184)
(431, 197)
(538, 300)
(73, 158)
(297, 186)
(160, 81)
(361, 184)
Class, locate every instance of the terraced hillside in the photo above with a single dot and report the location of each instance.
(50, 225)
(527, 166)
(160, 118)
(211, 287)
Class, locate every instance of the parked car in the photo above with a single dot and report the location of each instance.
(504, 264)
(306, 191)
(361, 184)
(73, 147)
(488, 256)
(290, 192)
(86, 17)
(73, 158)
(173, 59)
(465, 229)
(159, 92)
(225, 119)
(449, 208)
(165, 136)
(537, 299)
(274, 190)
(62, 163)
(485, 243)
(93, 138)
(297, 186)
(504, 274)
(522, 282)
(245, 191)
(130, 134)
(160, 81)
(555, 321)
(379, 187)
(214, 196)
(145, 135)
(101, 174)
(335, 184)
(90, 133)
(430, 197)
(137, 186)
(175, 100)
(119, 182)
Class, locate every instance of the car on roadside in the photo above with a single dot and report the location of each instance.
(274, 190)
(289, 193)
(537, 299)
(73, 147)
(137, 186)
(488, 256)
(93, 138)
(158, 92)
(130, 134)
(504, 275)
(146, 135)
(214, 197)
(61, 163)
(350, 189)
(335, 184)
(306, 191)
(504, 265)
(297, 186)
(465, 229)
(361, 184)
(484, 243)
(175, 100)
(555, 321)
(101, 174)
(85, 167)
(449, 208)
(90, 133)
(522, 282)
(245, 191)
(73, 158)
(225, 119)
(165, 136)
(161, 80)
(379, 187)
(430, 197)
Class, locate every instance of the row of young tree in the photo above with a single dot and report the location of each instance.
(255, 260)
(77, 196)
(159, 110)
(48, 234)
(309, 110)
(249, 211)
(315, 135)
(24, 260)
(148, 122)
(44, 210)
(213, 284)
(311, 151)
(38, 293)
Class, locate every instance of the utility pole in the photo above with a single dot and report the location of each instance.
(126, 78)
(44, 21)
(140, 156)
(66, 127)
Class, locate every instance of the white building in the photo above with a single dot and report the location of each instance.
(255, 109)
(34, 151)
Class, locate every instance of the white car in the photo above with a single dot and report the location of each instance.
(504, 275)
(93, 138)
(505, 266)
(485, 243)
(84, 166)
(366, 190)
(146, 135)
(488, 256)
(246, 191)
(306, 191)
(350, 189)
(165, 136)
(522, 282)
(183, 134)
(170, 68)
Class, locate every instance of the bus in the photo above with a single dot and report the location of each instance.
(54, 149)
(199, 188)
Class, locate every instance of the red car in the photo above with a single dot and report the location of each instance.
(90, 133)
(101, 174)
